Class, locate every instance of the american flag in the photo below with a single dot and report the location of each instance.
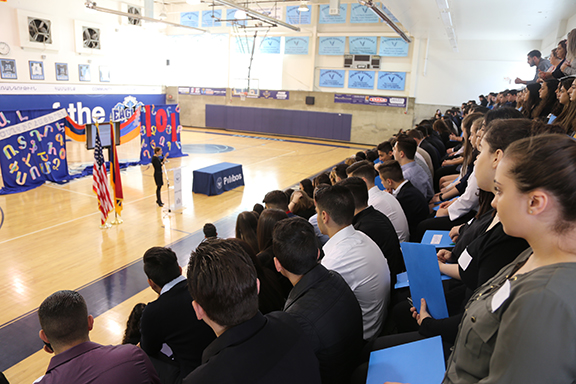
(100, 181)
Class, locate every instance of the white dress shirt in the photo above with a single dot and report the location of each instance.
(388, 205)
(467, 201)
(361, 263)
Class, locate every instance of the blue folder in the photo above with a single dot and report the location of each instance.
(424, 276)
(419, 362)
(402, 280)
(439, 239)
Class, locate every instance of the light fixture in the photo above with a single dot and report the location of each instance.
(446, 17)
(240, 15)
(303, 7)
(92, 5)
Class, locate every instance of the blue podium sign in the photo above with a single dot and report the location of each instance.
(215, 179)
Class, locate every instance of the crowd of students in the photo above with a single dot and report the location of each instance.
(305, 291)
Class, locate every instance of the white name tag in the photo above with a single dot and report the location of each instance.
(464, 260)
(501, 296)
(436, 239)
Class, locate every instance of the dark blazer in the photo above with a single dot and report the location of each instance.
(328, 312)
(434, 139)
(414, 205)
(171, 319)
(433, 152)
(265, 349)
(380, 229)
(157, 164)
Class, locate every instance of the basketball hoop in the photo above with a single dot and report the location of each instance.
(243, 96)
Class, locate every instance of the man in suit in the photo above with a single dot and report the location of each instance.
(411, 199)
(376, 225)
(250, 347)
(170, 319)
(321, 301)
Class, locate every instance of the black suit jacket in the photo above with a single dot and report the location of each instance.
(265, 349)
(433, 152)
(414, 205)
(328, 312)
(171, 319)
(380, 229)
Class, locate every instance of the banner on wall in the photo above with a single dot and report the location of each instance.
(332, 46)
(393, 47)
(361, 79)
(383, 101)
(327, 18)
(362, 14)
(392, 81)
(269, 45)
(202, 91)
(268, 94)
(332, 78)
(189, 19)
(294, 16)
(363, 45)
(33, 150)
(209, 18)
(160, 128)
(296, 45)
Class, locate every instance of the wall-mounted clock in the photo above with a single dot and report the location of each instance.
(4, 48)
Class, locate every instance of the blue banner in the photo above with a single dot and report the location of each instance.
(269, 45)
(296, 45)
(294, 16)
(393, 81)
(332, 78)
(243, 44)
(231, 15)
(332, 46)
(160, 128)
(82, 109)
(189, 19)
(361, 79)
(388, 13)
(392, 46)
(371, 100)
(362, 14)
(209, 18)
(327, 18)
(276, 95)
(363, 45)
(33, 149)
(8, 69)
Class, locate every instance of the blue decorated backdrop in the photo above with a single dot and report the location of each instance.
(160, 128)
(33, 149)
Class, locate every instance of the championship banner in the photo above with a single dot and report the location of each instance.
(33, 151)
(160, 128)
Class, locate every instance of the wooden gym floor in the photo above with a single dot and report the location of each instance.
(50, 237)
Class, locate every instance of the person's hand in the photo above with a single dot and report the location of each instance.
(296, 196)
(436, 198)
(518, 81)
(444, 255)
(441, 212)
(423, 312)
(446, 204)
(455, 232)
(564, 66)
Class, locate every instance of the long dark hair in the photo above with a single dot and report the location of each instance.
(246, 226)
(546, 105)
(132, 332)
(531, 100)
(266, 223)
